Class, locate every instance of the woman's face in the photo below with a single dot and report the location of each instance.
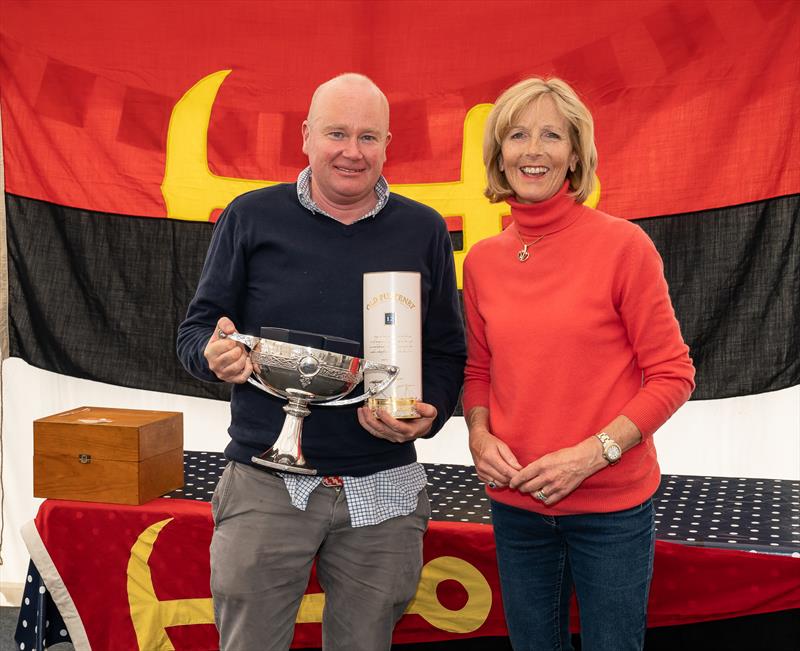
(537, 152)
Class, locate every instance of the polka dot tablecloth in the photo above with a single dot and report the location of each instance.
(745, 514)
(40, 625)
(759, 515)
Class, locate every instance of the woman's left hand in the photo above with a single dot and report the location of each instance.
(557, 474)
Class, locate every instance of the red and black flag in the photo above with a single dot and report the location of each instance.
(127, 126)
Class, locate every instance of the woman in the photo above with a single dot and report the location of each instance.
(575, 359)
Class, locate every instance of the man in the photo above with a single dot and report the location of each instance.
(293, 256)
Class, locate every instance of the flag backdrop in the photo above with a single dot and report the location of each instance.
(127, 126)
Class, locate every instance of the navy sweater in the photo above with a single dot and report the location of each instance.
(271, 262)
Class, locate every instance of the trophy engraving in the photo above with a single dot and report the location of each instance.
(393, 335)
(304, 375)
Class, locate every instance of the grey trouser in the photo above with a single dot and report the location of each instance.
(261, 556)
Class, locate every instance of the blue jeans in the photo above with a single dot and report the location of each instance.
(606, 557)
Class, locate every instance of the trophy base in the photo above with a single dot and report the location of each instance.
(400, 408)
(273, 464)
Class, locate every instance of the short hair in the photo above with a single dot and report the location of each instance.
(507, 109)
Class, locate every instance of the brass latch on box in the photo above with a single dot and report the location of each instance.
(85, 458)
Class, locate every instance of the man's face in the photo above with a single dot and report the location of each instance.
(345, 141)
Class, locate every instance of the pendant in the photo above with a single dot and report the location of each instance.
(523, 254)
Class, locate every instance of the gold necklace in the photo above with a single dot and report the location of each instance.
(522, 254)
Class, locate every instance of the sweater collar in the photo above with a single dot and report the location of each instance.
(544, 217)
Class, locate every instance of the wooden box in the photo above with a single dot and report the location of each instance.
(100, 454)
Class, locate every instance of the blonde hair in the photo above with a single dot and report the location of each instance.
(507, 110)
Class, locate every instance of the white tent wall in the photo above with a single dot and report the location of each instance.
(751, 436)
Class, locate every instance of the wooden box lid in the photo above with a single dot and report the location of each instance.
(109, 433)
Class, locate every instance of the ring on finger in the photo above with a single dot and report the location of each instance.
(541, 496)
(491, 484)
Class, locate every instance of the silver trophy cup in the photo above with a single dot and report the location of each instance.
(303, 376)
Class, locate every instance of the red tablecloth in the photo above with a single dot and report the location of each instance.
(132, 577)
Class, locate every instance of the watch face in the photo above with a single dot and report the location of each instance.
(613, 453)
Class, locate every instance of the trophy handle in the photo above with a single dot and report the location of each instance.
(391, 374)
(248, 340)
(251, 342)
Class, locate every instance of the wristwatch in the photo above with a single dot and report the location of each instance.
(611, 450)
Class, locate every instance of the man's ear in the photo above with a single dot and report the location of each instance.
(305, 129)
(388, 137)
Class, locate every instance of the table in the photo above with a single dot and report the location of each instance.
(128, 577)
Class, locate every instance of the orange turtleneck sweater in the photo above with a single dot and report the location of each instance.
(560, 345)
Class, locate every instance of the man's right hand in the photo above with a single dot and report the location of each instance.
(227, 359)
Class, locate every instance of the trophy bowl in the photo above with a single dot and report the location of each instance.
(304, 375)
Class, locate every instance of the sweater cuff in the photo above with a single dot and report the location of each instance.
(474, 397)
(648, 412)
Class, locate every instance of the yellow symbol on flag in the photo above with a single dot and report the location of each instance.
(479, 595)
(151, 616)
(192, 192)
(425, 603)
